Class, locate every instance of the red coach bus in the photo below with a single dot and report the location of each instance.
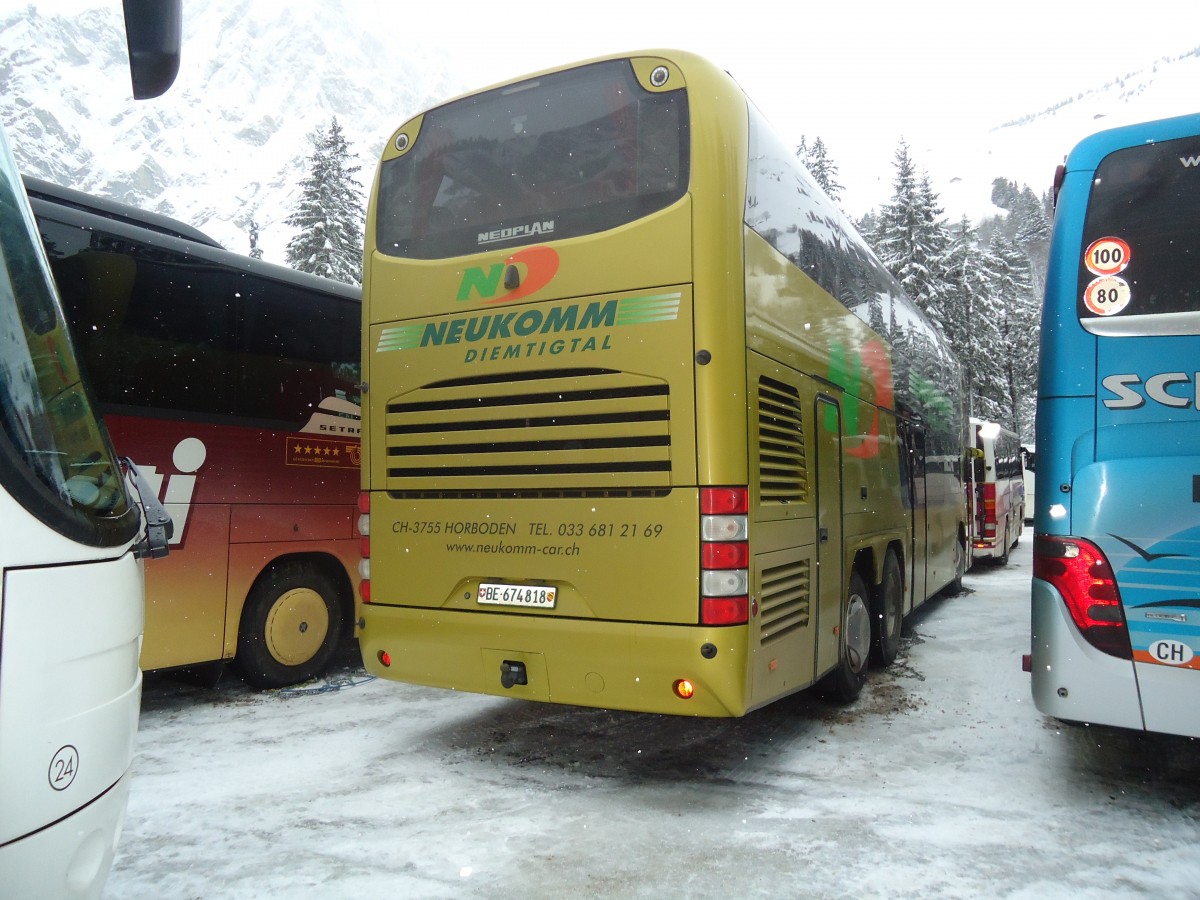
(235, 383)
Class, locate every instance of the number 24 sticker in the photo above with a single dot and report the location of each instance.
(63, 768)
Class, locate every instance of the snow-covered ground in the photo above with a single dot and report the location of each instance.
(943, 780)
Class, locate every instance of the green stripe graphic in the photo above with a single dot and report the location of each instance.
(402, 337)
(651, 308)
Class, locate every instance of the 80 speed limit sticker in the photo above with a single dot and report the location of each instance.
(1107, 296)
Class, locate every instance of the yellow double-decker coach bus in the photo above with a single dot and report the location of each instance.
(646, 424)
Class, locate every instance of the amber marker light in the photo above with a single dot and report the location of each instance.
(684, 689)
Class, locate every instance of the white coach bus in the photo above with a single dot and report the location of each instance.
(72, 534)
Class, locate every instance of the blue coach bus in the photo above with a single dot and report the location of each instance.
(1116, 587)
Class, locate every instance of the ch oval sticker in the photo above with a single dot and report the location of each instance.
(1171, 653)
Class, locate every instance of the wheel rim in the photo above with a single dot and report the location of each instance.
(893, 605)
(297, 625)
(858, 633)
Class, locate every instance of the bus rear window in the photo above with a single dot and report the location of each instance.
(1139, 273)
(563, 155)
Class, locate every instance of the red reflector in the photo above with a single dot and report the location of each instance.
(364, 590)
(724, 610)
(724, 501)
(385, 658)
(364, 503)
(364, 547)
(725, 555)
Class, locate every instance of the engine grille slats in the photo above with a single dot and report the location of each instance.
(782, 464)
(570, 429)
(786, 599)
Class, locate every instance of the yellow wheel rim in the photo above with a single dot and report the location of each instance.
(297, 626)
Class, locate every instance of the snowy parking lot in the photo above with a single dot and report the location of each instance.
(942, 780)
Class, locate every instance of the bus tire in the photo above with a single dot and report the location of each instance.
(846, 680)
(887, 616)
(1002, 559)
(960, 567)
(290, 626)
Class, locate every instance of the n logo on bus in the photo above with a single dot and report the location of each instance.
(537, 266)
(853, 370)
(188, 457)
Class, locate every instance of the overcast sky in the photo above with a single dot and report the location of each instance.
(897, 66)
(860, 75)
(982, 64)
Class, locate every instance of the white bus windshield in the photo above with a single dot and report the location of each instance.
(54, 457)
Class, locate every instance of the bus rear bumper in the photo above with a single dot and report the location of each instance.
(986, 550)
(1169, 698)
(1073, 680)
(71, 858)
(612, 665)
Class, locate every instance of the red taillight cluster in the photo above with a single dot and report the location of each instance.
(989, 511)
(364, 546)
(724, 556)
(1080, 572)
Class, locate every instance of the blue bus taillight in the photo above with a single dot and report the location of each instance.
(1081, 573)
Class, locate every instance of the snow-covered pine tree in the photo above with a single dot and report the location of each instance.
(329, 214)
(1027, 225)
(1018, 330)
(255, 250)
(935, 243)
(820, 165)
(969, 319)
(910, 236)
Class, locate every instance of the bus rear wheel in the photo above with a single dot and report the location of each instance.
(846, 681)
(961, 564)
(290, 626)
(888, 613)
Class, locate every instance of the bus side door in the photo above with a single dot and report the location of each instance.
(913, 451)
(830, 577)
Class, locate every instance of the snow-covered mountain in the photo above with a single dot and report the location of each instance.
(229, 142)
(1028, 149)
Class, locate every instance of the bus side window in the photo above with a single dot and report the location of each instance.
(291, 358)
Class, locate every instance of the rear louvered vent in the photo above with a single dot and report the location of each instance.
(575, 428)
(786, 594)
(783, 472)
